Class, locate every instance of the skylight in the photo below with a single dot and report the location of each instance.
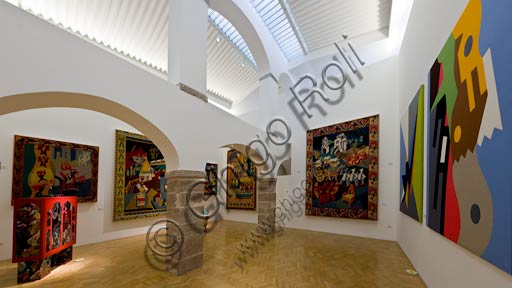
(230, 32)
(280, 24)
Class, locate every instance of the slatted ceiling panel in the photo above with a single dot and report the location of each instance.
(137, 29)
(321, 22)
(273, 15)
(225, 74)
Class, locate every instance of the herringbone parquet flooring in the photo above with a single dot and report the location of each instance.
(297, 258)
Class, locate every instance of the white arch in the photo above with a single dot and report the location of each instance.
(64, 62)
(27, 101)
(236, 16)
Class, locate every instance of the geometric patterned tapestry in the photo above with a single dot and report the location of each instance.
(470, 134)
(140, 186)
(411, 158)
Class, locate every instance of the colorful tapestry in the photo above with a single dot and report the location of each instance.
(241, 182)
(342, 166)
(140, 183)
(469, 190)
(49, 168)
(411, 158)
(210, 187)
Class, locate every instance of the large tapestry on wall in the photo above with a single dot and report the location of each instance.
(342, 167)
(469, 191)
(44, 168)
(140, 183)
(241, 182)
(411, 158)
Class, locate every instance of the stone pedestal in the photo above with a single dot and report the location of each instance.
(266, 202)
(190, 256)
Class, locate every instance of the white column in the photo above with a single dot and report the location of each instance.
(268, 94)
(188, 36)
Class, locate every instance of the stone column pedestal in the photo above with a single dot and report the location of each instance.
(190, 256)
(266, 202)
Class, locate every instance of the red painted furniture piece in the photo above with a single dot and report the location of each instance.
(42, 228)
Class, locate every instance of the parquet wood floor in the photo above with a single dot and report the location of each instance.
(297, 258)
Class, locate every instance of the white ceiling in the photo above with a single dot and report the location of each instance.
(225, 74)
(138, 30)
(301, 27)
(281, 26)
(322, 22)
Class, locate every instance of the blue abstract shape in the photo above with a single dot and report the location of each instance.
(495, 155)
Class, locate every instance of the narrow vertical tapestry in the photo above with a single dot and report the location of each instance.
(140, 183)
(469, 191)
(210, 187)
(411, 158)
(44, 168)
(241, 182)
(342, 166)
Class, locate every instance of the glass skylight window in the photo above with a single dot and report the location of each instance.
(231, 33)
(277, 20)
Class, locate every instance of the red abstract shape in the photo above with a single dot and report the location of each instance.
(452, 212)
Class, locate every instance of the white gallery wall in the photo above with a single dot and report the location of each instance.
(374, 91)
(440, 262)
(70, 125)
(42, 57)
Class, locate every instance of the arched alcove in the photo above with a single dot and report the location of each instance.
(26, 101)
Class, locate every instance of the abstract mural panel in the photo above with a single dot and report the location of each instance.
(241, 182)
(140, 183)
(469, 191)
(342, 169)
(43, 168)
(411, 158)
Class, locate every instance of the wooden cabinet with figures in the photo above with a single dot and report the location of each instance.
(44, 231)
